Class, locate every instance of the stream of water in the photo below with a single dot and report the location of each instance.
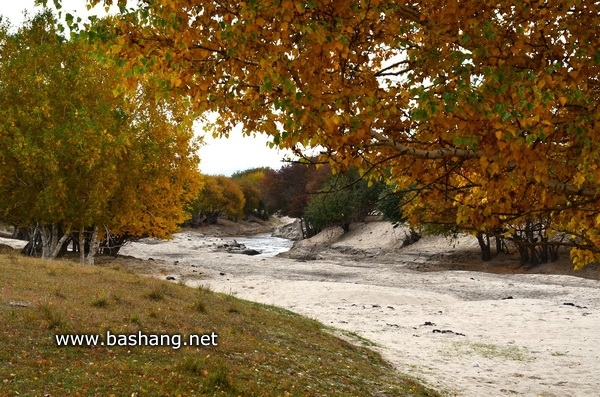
(267, 245)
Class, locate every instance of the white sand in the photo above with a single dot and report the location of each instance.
(530, 345)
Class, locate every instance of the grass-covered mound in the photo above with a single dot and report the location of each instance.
(262, 350)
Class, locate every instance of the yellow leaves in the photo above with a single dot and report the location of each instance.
(463, 216)
(260, 22)
(288, 7)
(175, 81)
(483, 162)
(541, 83)
(509, 232)
(530, 121)
(512, 107)
(517, 47)
(547, 123)
(115, 49)
(579, 179)
(332, 122)
(574, 73)
(95, 157)
(204, 85)
(581, 258)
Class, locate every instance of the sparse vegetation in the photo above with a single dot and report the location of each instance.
(262, 351)
(487, 350)
(157, 294)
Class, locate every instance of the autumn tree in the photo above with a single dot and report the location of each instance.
(489, 108)
(285, 190)
(250, 181)
(342, 198)
(252, 197)
(79, 160)
(219, 196)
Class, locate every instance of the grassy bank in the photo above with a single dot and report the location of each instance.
(262, 351)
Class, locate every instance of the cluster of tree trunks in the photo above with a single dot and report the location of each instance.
(530, 239)
(53, 241)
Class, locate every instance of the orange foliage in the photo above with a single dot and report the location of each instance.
(487, 108)
(75, 155)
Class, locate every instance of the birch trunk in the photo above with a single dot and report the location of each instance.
(53, 240)
(94, 245)
(57, 248)
(45, 234)
(82, 246)
(51, 243)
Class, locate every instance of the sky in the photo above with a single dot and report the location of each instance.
(217, 156)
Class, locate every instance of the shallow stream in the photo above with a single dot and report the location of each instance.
(267, 245)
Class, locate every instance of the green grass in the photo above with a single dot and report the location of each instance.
(262, 351)
(487, 350)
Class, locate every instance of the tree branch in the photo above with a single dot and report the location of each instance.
(426, 154)
(435, 154)
(570, 190)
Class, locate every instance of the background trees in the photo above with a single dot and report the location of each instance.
(79, 162)
(250, 181)
(219, 196)
(318, 197)
(341, 199)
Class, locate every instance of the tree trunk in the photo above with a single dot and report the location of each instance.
(59, 244)
(33, 247)
(53, 240)
(499, 244)
(94, 245)
(51, 243)
(82, 246)
(46, 241)
(484, 244)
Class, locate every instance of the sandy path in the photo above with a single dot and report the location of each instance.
(464, 333)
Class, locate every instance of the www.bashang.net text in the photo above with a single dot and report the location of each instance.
(175, 341)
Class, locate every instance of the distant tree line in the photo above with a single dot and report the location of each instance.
(300, 190)
(321, 198)
(238, 196)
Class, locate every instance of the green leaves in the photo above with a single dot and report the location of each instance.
(79, 149)
(485, 100)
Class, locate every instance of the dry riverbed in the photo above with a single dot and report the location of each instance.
(432, 308)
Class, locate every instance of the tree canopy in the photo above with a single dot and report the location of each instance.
(342, 199)
(220, 195)
(487, 110)
(78, 159)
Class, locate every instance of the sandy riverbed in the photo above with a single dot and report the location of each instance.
(465, 333)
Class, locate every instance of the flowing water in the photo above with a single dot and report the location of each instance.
(267, 245)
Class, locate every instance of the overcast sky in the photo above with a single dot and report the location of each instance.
(221, 156)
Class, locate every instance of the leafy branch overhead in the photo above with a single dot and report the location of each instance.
(489, 109)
